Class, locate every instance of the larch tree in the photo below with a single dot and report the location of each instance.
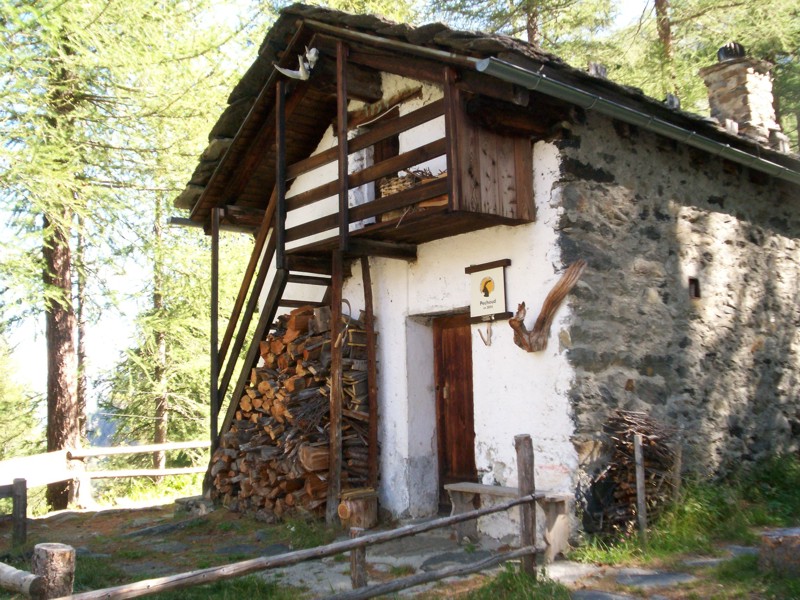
(83, 86)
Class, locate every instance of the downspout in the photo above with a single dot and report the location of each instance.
(563, 91)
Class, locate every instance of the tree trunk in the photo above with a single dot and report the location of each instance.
(664, 27)
(532, 21)
(160, 371)
(81, 317)
(62, 394)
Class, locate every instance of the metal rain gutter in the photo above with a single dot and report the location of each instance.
(541, 83)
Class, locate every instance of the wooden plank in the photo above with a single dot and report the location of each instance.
(19, 512)
(247, 278)
(214, 341)
(471, 487)
(375, 134)
(372, 375)
(22, 582)
(402, 161)
(358, 561)
(506, 176)
(487, 172)
(247, 317)
(309, 264)
(428, 576)
(341, 112)
(253, 565)
(321, 192)
(251, 358)
(455, 133)
(363, 247)
(503, 262)
(286, 303)
(280, 174)
(39, 469)
(641, 497)
(408, 197)
(142, 472)
(527, 513)
(524, 203)
(336, 400)
(309, 228)
(80, 453)
(309, 280)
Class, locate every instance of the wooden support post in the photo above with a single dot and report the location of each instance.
(452, 117)
(55, 563)
(527, 512)
(341, 115)
(358, 561)
(677, 467)
(335, 429)
(215, 399)
(19, 512)
(641, 498)
(372, 376)
(280, 174)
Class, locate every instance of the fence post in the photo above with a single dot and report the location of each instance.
(358, 561)
(527, 511)
(19, 512)
(641, 498)
(55, 563)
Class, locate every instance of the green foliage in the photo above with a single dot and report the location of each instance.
(511, 584)
(306, 533)
(144, 490)
(20, 431)
(743, 573)
(712, 512)
(251, 586)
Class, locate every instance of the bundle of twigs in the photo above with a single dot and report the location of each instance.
(615, 487)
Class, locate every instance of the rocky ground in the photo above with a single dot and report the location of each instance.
(158, 540)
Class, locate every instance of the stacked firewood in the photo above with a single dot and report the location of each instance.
(274, 458)
(615, 487)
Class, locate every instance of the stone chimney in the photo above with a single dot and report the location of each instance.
(740, 95)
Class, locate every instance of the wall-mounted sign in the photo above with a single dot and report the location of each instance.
(487, 286)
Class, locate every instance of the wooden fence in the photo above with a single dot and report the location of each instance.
(357, 545)
(17, 475)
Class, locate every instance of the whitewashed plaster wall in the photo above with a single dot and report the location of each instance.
(514, 392)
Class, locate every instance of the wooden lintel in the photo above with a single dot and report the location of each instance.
(503, 117)
(362, 83)
(250, 218)
(362, 247)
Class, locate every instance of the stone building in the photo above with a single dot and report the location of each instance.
(690, 228)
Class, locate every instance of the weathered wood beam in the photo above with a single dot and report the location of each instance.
(537, 121)
(247, 218)
(341, 113)
(362, 83)
(247, 278)
(375, 134)
(336, 400)
(214, 375)
(280, 175)
(362, 247)
(372, 376)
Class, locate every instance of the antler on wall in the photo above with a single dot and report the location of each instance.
(536, 339)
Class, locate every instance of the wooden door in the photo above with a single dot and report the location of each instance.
(452, 339)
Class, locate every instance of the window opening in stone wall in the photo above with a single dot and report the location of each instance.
(694, 288)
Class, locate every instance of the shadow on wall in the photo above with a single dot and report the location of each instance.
(648, 216)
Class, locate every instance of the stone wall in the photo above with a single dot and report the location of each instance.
(648, 215)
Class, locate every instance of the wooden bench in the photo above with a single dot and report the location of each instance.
(554, 505)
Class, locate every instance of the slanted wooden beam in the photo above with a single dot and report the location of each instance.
(503, 117)
(242, 218)
(335, 429)
(280, 175)
(215, 400)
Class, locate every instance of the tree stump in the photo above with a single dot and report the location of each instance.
(55, 563)
(780, 551)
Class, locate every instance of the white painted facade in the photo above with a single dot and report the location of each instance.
(514, 391)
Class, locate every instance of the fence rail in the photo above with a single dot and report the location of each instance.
(19, 474)
(356, 545)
